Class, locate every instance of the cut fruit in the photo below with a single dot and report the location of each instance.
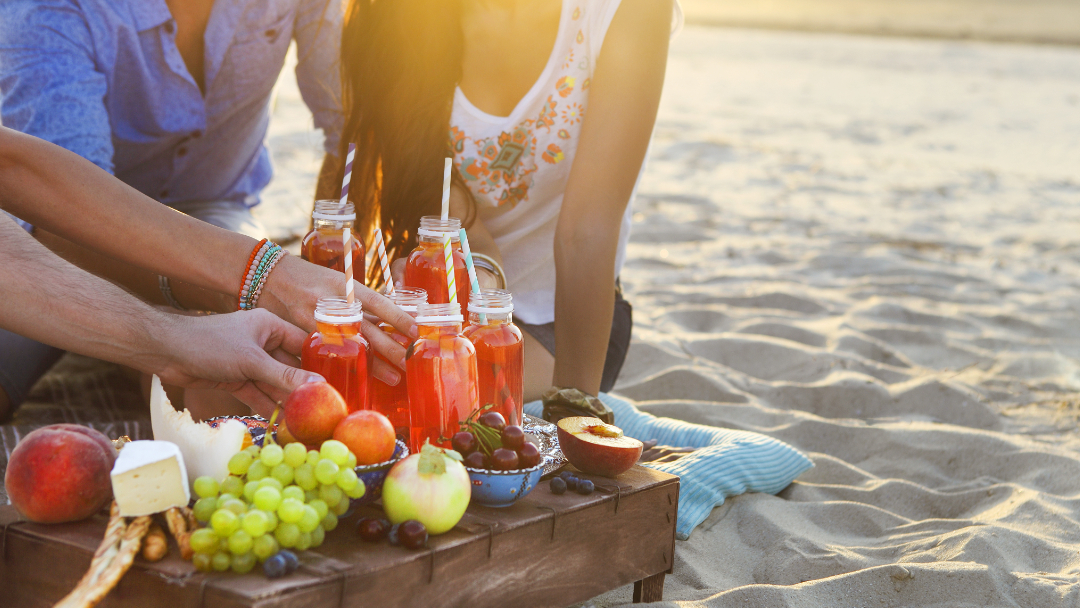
(597, 448)
(206, 449)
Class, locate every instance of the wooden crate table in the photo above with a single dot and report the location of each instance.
(546, 550)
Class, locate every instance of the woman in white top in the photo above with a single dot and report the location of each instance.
(549, 105)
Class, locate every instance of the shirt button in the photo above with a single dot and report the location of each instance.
(181, 152)
(271, 33)
(169, 27)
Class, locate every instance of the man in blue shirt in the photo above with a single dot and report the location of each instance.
(171, 96)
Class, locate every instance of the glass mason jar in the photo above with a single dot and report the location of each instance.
(393, 401)
(441, 368)
(324, 245)
(338, 351)
(500, 352)
(426, 266)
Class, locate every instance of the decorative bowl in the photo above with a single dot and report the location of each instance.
(503, 488)
(373, 475)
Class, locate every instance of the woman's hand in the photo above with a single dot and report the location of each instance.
(251, 354)
(295, 285)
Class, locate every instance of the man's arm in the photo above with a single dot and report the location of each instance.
(88, 207)
(318, 74)
(48, 299)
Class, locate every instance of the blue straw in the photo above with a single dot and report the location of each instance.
(464, 238)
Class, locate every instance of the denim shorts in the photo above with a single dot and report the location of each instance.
(622, 322)
(23, 361)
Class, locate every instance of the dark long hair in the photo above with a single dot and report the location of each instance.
(401, 61)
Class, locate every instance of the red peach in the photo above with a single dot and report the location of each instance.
(597, 448)
(312, 412)
(368, 435)
(60, 473)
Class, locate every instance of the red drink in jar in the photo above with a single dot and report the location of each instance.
(426, 266)
(500, 352)
(338, 351)
(441, 368)
(324, 245)
(393, 401)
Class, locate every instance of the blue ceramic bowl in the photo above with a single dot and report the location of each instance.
(373, 475)
(503, 488)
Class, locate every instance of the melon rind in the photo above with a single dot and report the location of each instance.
(206, 449)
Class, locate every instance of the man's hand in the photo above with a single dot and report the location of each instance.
(295, 285)
(251, 354)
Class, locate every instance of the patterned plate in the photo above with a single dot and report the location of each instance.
(546, 435)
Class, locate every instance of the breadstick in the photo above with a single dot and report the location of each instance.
(111, 561)
(181, 530)
(156, 545)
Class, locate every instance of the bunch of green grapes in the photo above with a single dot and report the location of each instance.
(273, 498)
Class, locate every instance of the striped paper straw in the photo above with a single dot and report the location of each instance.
(464, 238)
(346, 239)
(380, 249)
(448, 164)
(348, 176)
(448, 259)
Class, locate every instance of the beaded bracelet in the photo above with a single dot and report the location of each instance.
(256, 275)
(245, 281)
(277, 255)
(261, 272)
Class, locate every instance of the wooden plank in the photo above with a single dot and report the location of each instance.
(650, 589)
(562, 549)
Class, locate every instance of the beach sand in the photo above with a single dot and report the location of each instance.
(868, 248)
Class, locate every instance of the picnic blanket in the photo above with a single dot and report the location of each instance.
(725, 462)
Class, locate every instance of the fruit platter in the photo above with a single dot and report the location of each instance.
(236, 496)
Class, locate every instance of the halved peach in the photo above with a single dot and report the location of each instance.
(596, 447)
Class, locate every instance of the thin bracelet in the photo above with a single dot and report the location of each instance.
(245, 279)
(258, 275)
(488, 263)
(280, 253)
(166, 290)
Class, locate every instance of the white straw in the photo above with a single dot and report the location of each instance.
(448, 164)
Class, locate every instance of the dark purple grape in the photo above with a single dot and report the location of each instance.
(275, 566)
(477, 460)
(513, 437)
(464, 442)
(571, 483)
(372, 530)
(292, 563)
(585, 487)
(558, 485)
(493, 420)
(529, 456)
(413, 534)
(504, 460)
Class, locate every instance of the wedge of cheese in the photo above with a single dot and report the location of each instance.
(206, 449)
(149, 477)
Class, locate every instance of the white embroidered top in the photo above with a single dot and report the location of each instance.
(517, 166)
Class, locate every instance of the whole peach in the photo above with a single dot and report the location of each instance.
(312, 412)
(60, 473)
(368, 435)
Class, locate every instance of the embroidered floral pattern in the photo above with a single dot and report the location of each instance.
(502, 168)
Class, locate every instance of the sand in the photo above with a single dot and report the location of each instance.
(868, 248)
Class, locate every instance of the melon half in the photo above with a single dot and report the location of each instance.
(206, 449)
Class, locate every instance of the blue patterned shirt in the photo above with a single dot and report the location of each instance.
(104, 79)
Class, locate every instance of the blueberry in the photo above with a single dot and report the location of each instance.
(275, 566)
(572, 483)
(292, 562)
(566, 475)
(585, 486)
(392, 535)
(558, 485)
